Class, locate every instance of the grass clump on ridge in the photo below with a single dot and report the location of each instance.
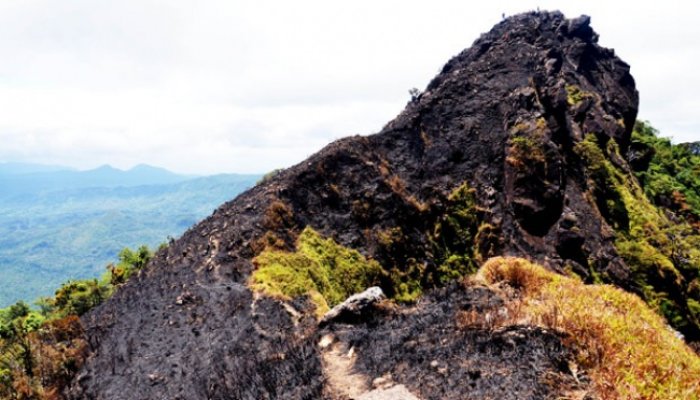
(627, 349)
(320, 268)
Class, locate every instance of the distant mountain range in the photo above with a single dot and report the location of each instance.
(57, 223)
(15, 168)
(23, 179)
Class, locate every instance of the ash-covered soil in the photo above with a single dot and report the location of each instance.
(436, 354)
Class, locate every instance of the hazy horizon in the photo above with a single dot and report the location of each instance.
(227, 87)
(59, 167)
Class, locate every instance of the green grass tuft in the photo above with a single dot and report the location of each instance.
(626, 348)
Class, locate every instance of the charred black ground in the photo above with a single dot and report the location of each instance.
(437, 355)
(502, 120)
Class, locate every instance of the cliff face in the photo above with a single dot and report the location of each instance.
(501, 124)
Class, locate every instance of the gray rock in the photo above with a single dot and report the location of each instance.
(581, 27)
(354, 305)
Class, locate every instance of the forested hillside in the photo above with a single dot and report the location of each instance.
(48, 235)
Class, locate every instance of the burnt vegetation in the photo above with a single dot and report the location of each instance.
(42, 348)
(524, 145)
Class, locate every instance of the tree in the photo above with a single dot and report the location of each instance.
(130, 261)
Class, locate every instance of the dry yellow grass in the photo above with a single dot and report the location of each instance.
(627, 348)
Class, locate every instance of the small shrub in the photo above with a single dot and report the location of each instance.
(486, 241)
(78, 297)
(278, 215)
(268, 176)
(525, 151)
(527, 143)
(130, 261)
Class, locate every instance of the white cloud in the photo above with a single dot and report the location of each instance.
(216, 86)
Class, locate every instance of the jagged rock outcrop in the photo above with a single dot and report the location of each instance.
(501, 119)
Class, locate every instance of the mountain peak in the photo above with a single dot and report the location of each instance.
(536, 24)
(146, 167)
(548, 54)
(516, 148)
(106, 168)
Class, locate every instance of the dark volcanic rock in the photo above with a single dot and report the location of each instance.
(502, 116)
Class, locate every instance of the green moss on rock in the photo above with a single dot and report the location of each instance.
(647, 240)
(451, 249)
(694, 307)
(574, 95)
(602, 178)
(453, 236)
(319, 268)
(407, 282)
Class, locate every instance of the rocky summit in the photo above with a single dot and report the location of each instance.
(514, 149)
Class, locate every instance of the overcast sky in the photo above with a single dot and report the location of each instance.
(233, 86)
